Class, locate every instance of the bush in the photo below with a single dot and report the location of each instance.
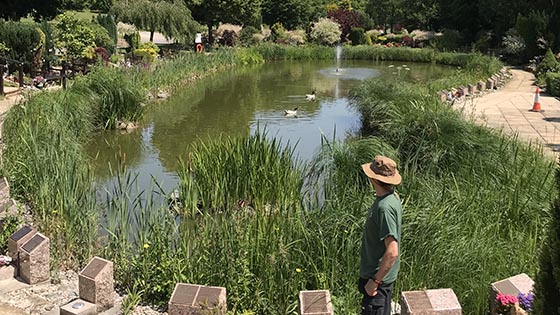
(450, 40)
(21, 39)
(133, 40)
(357, 36)
(296, 37)
(102, 38)
(147, 52)
(553, 83)
(108, 22)
(325, 32)
(246, 35)
(548, 64)
(277, 32)
(73, 35)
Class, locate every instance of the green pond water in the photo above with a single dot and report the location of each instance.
(240, 101)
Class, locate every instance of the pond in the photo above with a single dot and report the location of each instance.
(238, 102)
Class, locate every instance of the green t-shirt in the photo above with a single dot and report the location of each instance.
(384, 219)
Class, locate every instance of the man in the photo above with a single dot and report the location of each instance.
(379, 263)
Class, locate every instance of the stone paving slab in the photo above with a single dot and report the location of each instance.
(509, 108)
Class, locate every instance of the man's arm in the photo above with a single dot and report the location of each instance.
(387, 261)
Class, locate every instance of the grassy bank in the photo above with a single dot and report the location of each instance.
(476, 201)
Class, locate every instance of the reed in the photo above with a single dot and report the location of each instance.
(47, 169)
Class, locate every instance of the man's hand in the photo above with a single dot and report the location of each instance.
(371, 287)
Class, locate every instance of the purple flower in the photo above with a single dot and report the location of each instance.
(526, 301)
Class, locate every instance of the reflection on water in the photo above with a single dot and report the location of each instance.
(237, 102)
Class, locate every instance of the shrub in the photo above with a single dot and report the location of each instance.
(357, 36)
(296, 37)
(147, 52)
(246, 35)
(277, 32)
(450, 40)
(102, 38)
(228, 38)
(108, 22)
(325, 32)
(513, 43)
(73, 35)
(547, 288)
(133, 40)
(553, 83)
(548, 64)
(21, 40)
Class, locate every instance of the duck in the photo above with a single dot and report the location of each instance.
(290, 112)
(310, 97)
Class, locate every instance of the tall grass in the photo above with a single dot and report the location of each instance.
(252, 219)
(47, 168)
(476, 200)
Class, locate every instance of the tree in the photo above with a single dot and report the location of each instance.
(347, 19)
(22, 40)
(547, 282)
(385, 12)
(73, 36)
(325, 32)
(212, 12)
(172, 19)
(291, 13)
(420, 14)
(15, 10)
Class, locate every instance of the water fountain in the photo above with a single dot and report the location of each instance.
(338, 54)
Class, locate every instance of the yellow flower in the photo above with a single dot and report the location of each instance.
(146, 246)
(298, 270)
(276, 228)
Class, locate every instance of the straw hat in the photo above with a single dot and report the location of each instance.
(383, 169)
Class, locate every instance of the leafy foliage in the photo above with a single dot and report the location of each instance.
(548, 64)
(291, 13)
(357, 36)
(171, 18)
(73, 36)
(547, 282)
(39, 9)
(347, 19)
(325, 32)
(22, 40)
(553, 83)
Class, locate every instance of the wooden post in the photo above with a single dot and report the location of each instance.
(20, 75)
(63, 75)
(1, 80)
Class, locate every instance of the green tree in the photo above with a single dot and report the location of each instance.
(420, 14)
(39, 9)
(172, 19)
(73, 36)
(547, 282)
(291, 13)
(385, 13)
(212, 12)
(23, 40)
(531, 28)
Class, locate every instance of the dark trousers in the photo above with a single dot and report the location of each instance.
(380, 304)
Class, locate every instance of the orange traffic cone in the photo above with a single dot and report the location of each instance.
(537, 102)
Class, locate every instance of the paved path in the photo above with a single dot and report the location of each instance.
(509, 109)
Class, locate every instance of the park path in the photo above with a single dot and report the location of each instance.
(509, 109)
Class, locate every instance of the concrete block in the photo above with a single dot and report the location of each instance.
(472, 89)
(430, 302)
(34, 259)
(480, 86)
(489, 84)
(19, 238)
(79, 307)
(191, 299)
(96, 285)
(443, 96)
(520, 283)
(316, 302)
(7, 272)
